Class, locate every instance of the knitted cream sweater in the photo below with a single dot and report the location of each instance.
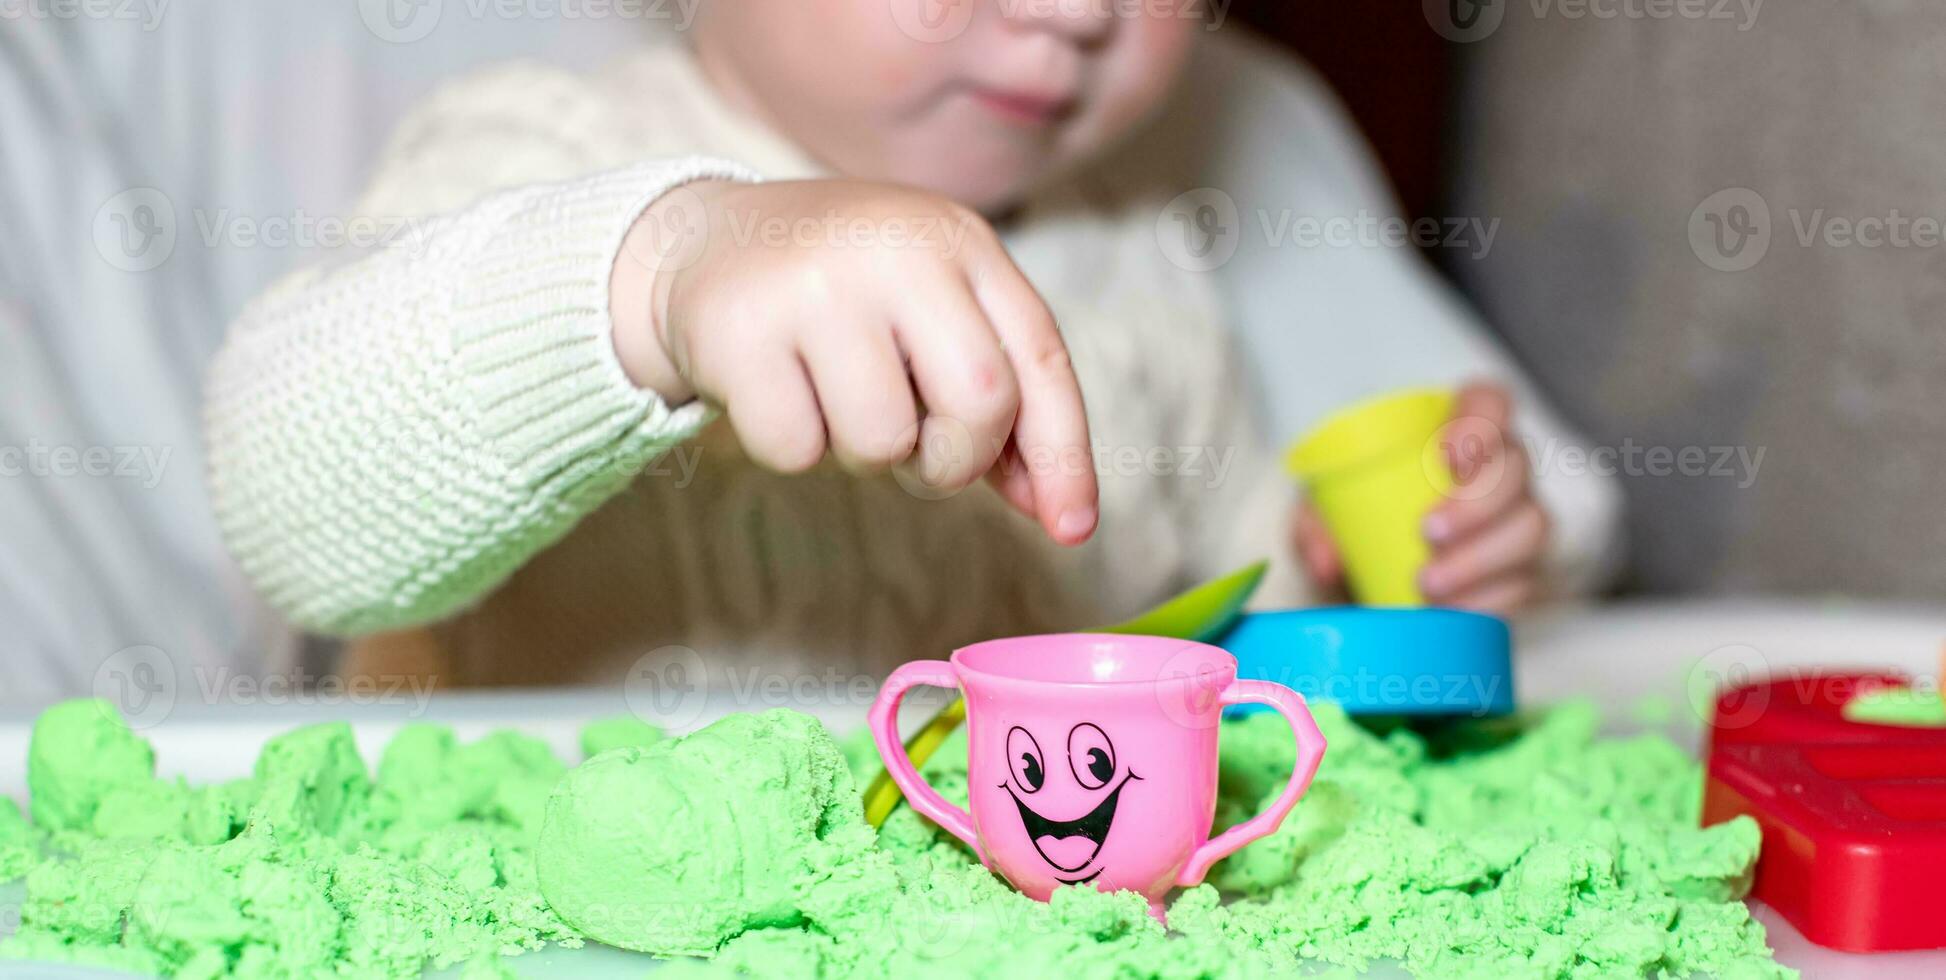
(438, 431)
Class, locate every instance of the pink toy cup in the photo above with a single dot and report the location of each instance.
(1092, 757)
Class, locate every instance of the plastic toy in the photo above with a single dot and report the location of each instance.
(1202, 613)
(1092, 758)
(1853, 813)
(1410, 662)
(1373, 470)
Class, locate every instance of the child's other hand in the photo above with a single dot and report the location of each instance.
(1317, 552)
(827, 315)
(1487, 538)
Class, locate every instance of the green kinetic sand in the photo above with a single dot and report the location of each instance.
(679, 846)
(309, 866)
(614, 733)
(18, 849)
(1540, 852)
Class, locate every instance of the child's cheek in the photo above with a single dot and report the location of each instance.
(1148, 57)
(888, 45)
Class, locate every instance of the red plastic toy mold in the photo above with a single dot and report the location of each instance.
(1853, 814)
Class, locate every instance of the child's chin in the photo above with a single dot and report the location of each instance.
(990, 191)
(981, 163)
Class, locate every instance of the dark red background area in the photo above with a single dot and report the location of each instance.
(1388, 66)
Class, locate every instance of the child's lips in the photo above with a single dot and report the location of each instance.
(1025, 108)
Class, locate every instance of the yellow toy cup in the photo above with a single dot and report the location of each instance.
(1373, 471)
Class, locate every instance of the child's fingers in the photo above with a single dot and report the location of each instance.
(1479, 502)
(1051, 428)
(771, 405)
(1009, 476)
(1500, 597)
(965, 380)
(869, 416)
(1515, 542)
(1487, 400)
(1316, 549)
(1477, 433)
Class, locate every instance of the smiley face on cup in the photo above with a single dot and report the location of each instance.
(1092, 758)
(1094, 782)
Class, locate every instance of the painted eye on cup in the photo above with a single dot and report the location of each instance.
(1091, 756)
(1024, 760)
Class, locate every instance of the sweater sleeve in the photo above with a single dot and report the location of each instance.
(391, 439)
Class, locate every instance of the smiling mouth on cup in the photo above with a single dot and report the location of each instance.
(1068, 840)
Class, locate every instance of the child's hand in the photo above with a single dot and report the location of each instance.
(1488, 537)
(876, 304)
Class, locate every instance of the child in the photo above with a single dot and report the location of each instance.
(850, 228)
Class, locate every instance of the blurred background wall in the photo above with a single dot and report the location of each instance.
(162, 161)
(1720, 236)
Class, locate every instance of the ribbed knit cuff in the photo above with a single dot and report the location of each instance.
(532, 335)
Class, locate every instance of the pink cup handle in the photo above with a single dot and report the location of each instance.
(884, 722)
(1310, 752)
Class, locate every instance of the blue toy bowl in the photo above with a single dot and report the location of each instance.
(1380, 661)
